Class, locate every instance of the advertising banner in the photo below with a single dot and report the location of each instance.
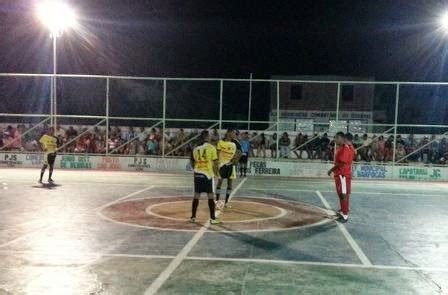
(256, 167)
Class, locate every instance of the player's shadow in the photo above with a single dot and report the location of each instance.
(281, 248)
(48, 186)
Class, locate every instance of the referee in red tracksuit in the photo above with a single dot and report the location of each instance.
(342, 171)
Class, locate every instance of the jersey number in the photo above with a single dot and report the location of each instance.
(203, 156)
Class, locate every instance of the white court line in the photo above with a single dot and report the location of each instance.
(357, 192)
(317, 263)
(161, 279)
(27, 235)
(123, 198)
(364, 259)
(149, 211)
(360, 193)
(245, 260)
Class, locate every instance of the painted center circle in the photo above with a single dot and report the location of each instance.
(247, 214)
(241, 211)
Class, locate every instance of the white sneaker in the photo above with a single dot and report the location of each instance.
(342, 217)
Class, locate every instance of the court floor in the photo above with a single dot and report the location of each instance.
(94, 233)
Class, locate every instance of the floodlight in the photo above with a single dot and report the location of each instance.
(443, 22)
(57, 16)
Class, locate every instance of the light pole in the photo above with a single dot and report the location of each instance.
(57, 16)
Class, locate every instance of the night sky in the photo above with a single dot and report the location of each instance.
(387, 40)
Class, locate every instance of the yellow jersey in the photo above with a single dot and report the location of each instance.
(203, 157)
(227, 151)
(49, 143)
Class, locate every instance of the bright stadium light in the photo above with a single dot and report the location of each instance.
(57, 16)
(443, 22)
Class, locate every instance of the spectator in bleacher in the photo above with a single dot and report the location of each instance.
(141, 148)
(151, 146)
(410, 145)
(81, 146)
(400, 152)
(357, 141)
(324, 147)
(71, 133)
(98, 144)
(115, 131)
(17, 143)
(214, 137)
(112, 142)
(315, 146)
(96, 132)
(124, 134)
(168, 142)
(331, 147)
(2, 132)
(374, 148)
(434, 150)
(284, 144)
(254, 139)
(59, 132)
(309, 147)
(364, 150)
(141, 134)
(424, 150)
(381, 149)
(273, 146)
(443, 151)
(29, 139)
(389, 149)
(8, 140)
(299, 145)
(262, 143)
(180, 139)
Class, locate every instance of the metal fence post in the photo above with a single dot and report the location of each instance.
(55, 95)
(107, 114)
(221, 90)
(338, 100)
(164, 118)
(278, 121)
(394, 146)
(250, 103)
(51, 101)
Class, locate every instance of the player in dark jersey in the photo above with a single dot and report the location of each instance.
(342, 171)
(235, 134)
(245, 151)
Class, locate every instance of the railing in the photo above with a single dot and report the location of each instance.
(261, 105)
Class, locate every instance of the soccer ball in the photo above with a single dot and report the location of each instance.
(219, 205)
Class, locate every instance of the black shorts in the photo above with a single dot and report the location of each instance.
(226, 172)
(244, 159)
(50, 158)
(202, 184)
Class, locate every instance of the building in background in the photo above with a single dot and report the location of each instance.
(310, 107)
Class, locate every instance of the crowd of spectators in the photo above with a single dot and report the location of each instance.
(143, 141)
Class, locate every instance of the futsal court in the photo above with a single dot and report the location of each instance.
(98, 232)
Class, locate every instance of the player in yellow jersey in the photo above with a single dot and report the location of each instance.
(228, 153)
(204, 161)
(49, 145)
